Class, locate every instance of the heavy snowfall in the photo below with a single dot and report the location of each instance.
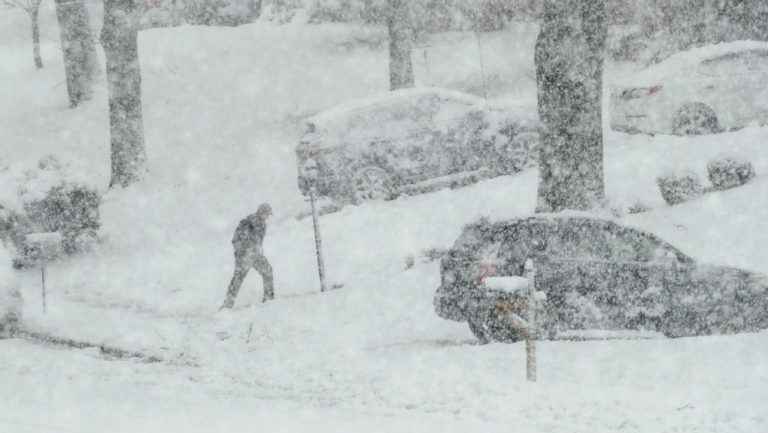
(394, 164)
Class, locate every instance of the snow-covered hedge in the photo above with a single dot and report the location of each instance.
(426, 15)
(47, 200)
(725, 173)
(169, 13)
(677, 188)
(10, 299)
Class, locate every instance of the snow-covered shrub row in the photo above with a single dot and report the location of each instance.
(426, 15)
(168, 13)
(49, 202)
(724, 173)
(283, 11)
(10, 299)
(677, 188)
(727, 172)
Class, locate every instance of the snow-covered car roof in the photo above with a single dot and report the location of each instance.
(522, 109)
(688, 59)
(335, 115)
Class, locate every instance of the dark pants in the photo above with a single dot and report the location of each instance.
(244, 261)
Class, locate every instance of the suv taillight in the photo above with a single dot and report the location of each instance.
(640, 92)
(482, 269)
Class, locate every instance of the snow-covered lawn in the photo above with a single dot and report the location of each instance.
(221, 108)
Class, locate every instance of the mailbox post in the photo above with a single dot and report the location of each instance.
(45, 247)
(310, 173)
(531, 300)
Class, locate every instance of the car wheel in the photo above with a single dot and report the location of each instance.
(695, 119)
(518, 153)
(479, 331)
(372, 183)
(493, 328)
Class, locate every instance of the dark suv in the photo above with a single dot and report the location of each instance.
(597, 275)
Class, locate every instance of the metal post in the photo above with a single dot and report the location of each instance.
(530, 318)
(318, 240)
(42, 270)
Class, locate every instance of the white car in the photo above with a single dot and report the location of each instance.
(10, 298)
(411, 140)
(703, 90)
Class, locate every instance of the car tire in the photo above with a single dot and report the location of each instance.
(372, 183)
(493, 328)
(518, 153)
(695, 119)
(478, 330)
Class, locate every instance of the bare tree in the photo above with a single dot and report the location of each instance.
(400, 43)
(80, 63)
(31, 7)
(569, 65)
(119, 36)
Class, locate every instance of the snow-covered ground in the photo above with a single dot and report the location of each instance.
(221, 107)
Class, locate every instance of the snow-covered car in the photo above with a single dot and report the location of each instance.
(10, 298)
(401, 141)
(597, 275)
(703, 90)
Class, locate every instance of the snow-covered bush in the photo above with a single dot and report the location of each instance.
(72, 210)
(282, 11)
(48, 200)
(220, 12)
(10, 299)
(341, 11)
(677, 188)
(639, 207)
(725, 173)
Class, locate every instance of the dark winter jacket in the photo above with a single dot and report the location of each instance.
(249, 233)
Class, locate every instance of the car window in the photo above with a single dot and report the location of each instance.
(447, 111)
(576, 240)
(399, 115)
(521, 241)
(744, 62)
(630, 246)
(682, 259)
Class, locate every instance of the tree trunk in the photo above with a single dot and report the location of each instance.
(569, 65)
(119, 36)
(80, 62)
(400, 61)
(36, 37)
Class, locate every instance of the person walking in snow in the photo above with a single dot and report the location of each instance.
(249, 253)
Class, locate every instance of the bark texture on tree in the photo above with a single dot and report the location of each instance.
(119, 36)
(36, 36)
(80, 63)
(569, 74)
(400, 44)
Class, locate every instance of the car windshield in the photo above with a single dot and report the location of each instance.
(630, 246)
